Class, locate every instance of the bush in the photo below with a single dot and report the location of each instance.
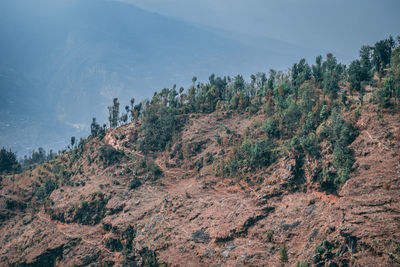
(110, 155)
(209, 158)
(153, 168)
(135, 183)
(250, 156)
(45, 189)
(271, 127)
(283, 254)
(218, 139)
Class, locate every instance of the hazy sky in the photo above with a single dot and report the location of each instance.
(336, 25)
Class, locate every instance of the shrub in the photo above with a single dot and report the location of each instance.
(135, 183)
(283, 254)
(218, 139)
(209, 158)
(153, 168)
(45, 189)
(271, 127)
(249, 156)
(110, 155)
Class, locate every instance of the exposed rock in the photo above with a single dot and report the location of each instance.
(201, 236)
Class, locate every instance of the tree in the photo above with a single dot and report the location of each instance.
(301, 72)
(365, 60)
(381, 54)
(238, 83)
(137, 111)
(355, 72)
(291, 118)
(124, 118)
(386, 92)
(8, 162)
(395, 72)
(160, 122)
(331, 76)
(94, 128)
(73, 141)
(132, 112)
(307, 96)
(271, 79)
(317, 69)
(113, 113)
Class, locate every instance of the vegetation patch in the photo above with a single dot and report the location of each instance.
(109, 155)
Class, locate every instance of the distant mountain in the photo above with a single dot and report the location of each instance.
(62, 63)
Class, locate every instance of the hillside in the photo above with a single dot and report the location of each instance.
(286, 170)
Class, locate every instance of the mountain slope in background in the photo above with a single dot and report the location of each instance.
(62, 63)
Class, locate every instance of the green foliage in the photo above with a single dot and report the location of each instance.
(249, 156)
(8, 162)
(382, 54)
(317, 71)
(113, 113)
(291, 119)
(160, 122)
(324, 247)
(355, 75)
(340, 135)
(43, 191)
(218, 139)
(307, 96)
(302, 264)
(37, 157)
(310, 145)
(271, 127)
(96, 130)
(154, 168)
(73, 139)
(360, 70)
(283, 254)
(109, 155)
(209, 158)
(324, 114)
(135, 183)
(149, 258)
(385, 94)
(389, 93)
(301, 72)
(331, 76)
(319, 249)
